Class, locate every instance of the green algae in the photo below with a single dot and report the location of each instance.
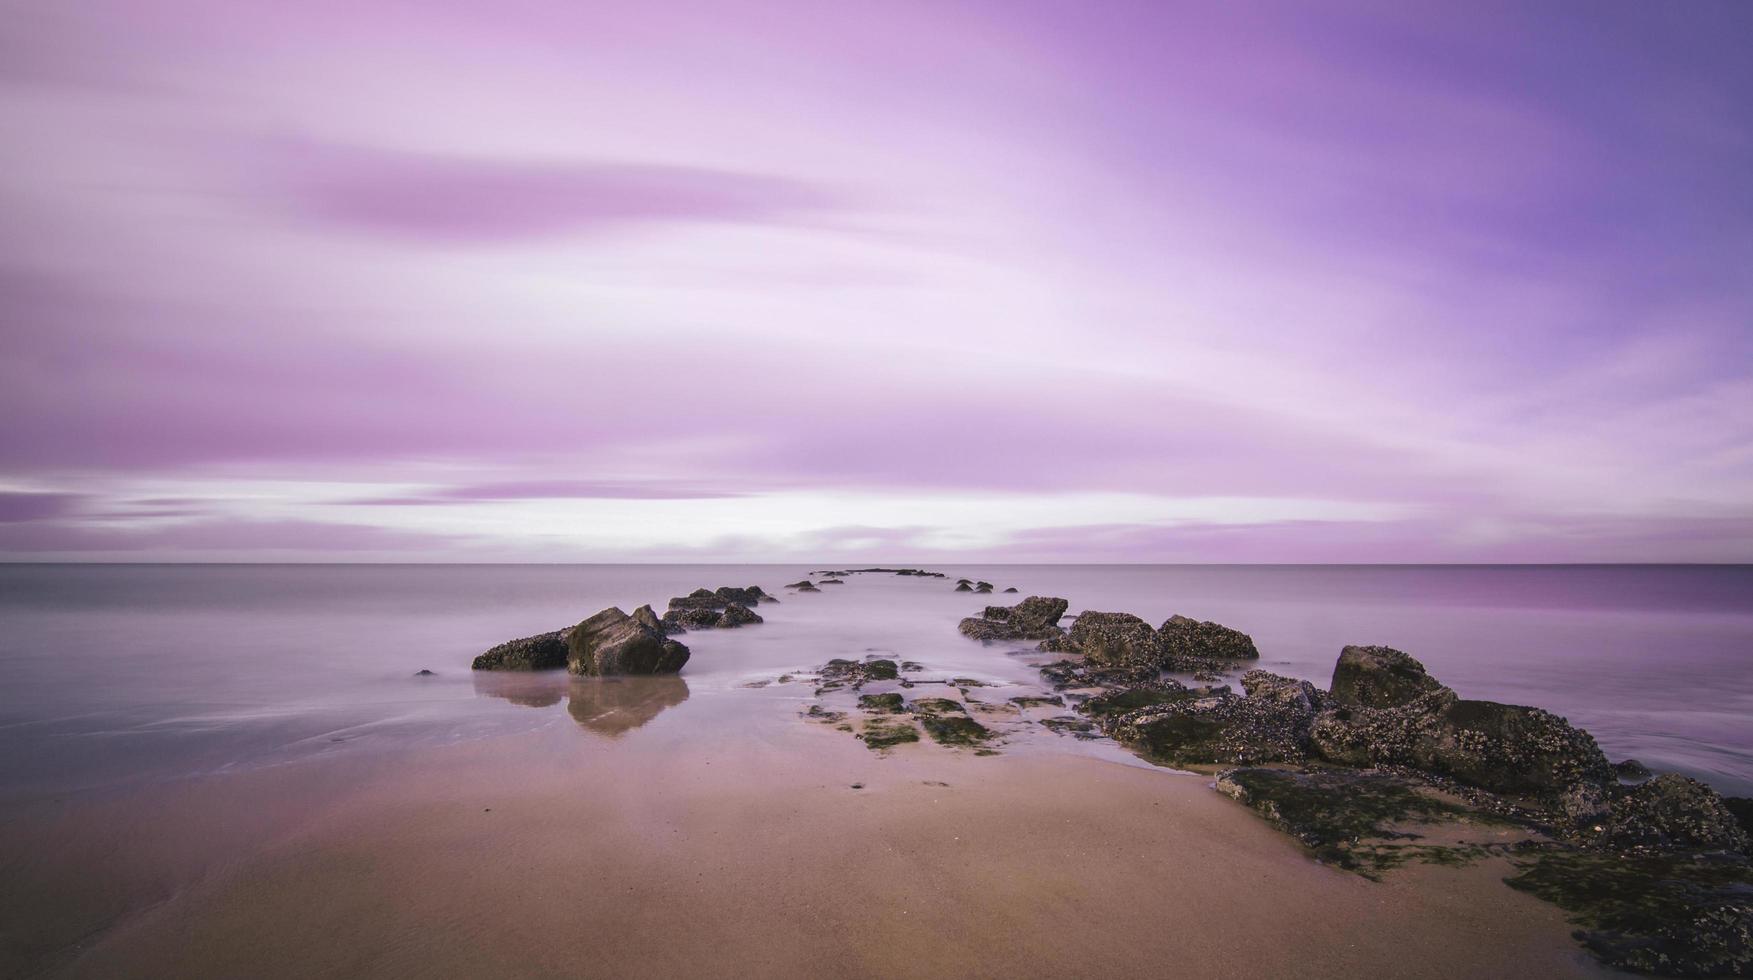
(879, 735)
(892, 704)
(1673, 914)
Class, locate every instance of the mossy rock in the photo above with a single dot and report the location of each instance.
(1333, 812)
(892, 704)
(879, 735)
(1132, 698)
(937, 706)
(956, 729)
(1688, 915)
(881, 670)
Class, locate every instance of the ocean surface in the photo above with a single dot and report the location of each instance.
(117, 675)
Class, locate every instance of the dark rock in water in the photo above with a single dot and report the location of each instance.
(612, 642)
(424, 673)
(1011, 589)
(736, 615)
(1129, 699)
(1632, 771)
(947, 722)
(699, 599)
(1071, 673)
(1672, 914)
(832, 581)
(1111, 638)
(1189, 638)
(804, 584)
(1037, 701)
(840, 672)
(1075, 727)
(1379, 677)
(963, 587)
(544, 651)
(1034, 618)
(1327, 808)
(682, 620)
(892, 704)
(965, 581)
(938, 706)
(749, 596)
(1504, 748)
(982, 586)
(1672, 812)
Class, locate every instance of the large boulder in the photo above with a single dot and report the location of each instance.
(1379, 677)
(1184, 638)
(699, 599)
(1111, 638)
(612, 643)
(1504, 748)
(544, 651)
(749, 596)
(1672, 812)
(1034, 618)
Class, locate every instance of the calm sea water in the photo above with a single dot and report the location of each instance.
(111, 675)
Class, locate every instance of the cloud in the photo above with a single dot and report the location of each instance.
(18, 506)
(222, 537)
(546, 490)
(453, 198)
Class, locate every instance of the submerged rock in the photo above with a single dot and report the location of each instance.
(1270, 724)
(892, 704)
(1034, 618)
(1379, 677)
(963, 587)
(983, 587)
(423, 672)
(612, 642)
(544, 651)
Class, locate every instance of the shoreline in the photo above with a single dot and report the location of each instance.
(510, 856)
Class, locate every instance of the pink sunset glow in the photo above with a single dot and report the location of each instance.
(764, 281)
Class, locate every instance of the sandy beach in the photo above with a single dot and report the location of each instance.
(545, 855)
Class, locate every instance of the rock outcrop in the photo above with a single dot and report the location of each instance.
(1034, 618)
(1379, 677)
(1191, 639)
(613, 643)
(544, 651)
(1673, 812)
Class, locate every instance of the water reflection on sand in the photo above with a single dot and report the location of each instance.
(609, 706)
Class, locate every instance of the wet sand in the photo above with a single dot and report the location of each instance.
(545, 854)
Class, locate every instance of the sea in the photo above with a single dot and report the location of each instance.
(113, 676)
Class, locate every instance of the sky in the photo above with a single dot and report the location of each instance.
(548, 280)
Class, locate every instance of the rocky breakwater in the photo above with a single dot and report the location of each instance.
(1120, 648)
(1657, 874)
(613, 643)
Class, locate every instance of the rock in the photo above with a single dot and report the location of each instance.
(1034, 618)
(831, 581)
(1631, 771)
(1188, 638)
(888, 733)
(1379, 677)
(544, 651)
(983, 587)
(645, 615)
(947, 722)
(965, 581)
(1011, 589)
(612, 643)
(892, 704)
(699, 599)
(1111, 638)
(736, 615)
(748, 596)
(685, 619)
(424, 673)
(1271, 724)
(963, 587)
(839, 672)
(1504, 748)
(1673, 812)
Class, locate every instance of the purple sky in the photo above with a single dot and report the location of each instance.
(553, 280)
